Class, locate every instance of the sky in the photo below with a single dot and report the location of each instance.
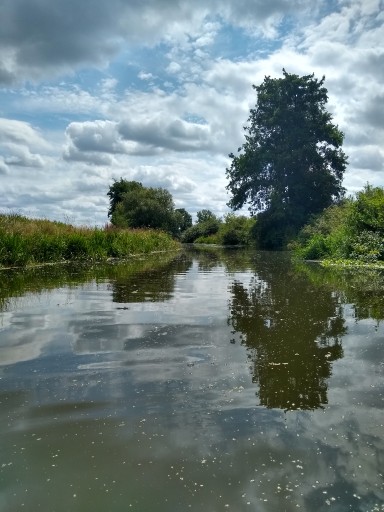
(158, 91)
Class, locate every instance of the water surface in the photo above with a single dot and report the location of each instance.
(210, 380)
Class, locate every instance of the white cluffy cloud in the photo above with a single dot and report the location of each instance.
(160, 94)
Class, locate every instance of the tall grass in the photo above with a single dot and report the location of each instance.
(26, 241)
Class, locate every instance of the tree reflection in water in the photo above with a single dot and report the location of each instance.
(155, 284)
(292, 331)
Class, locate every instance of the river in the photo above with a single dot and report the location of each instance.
(209, 380)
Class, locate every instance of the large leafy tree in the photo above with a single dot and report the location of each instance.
(145, 208)
(291, 164)
(117, 190)
(134, 206)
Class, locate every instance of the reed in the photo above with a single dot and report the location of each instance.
(25, 241)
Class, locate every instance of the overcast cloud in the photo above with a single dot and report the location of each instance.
(158, 91)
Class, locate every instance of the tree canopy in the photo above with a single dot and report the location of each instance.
(205, 216)
(291, 164)
(117, 190)
(134, 206)
(183, 219)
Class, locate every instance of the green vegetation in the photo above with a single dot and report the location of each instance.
(291, 165)
(352, 230)
(233, 230)
(26, 241)
(205, 229)
(134, 206)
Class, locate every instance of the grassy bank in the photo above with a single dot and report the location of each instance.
(26, 241)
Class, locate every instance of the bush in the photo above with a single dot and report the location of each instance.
(201, 229)
(327, 235)
(209, 239)
(368, 247)
(236, 230)
(315, 249)
(367, 212)
(351, 230)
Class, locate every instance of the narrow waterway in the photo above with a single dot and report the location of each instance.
(210, 380)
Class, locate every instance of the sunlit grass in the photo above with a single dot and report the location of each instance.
(26, 241)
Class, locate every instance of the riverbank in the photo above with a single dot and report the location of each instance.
(25, 241)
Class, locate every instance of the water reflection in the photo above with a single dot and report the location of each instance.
(154, 284)
(292, 331)
(363, 288)
(129, 388)
(19, 282)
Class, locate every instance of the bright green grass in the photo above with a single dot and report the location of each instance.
(26, 241)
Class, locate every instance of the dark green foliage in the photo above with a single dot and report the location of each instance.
(326, 234)
(191, 234)
(352, 230)
(205, 216)
(368, 210)
(183, 220)
(76, 247)
(14, 250)
(273, 229)
(117, 191)
(145, 208)
(236, 230)
(202, 229)
(368, 246)
(231, 237)
(207, 224)
(291, 164)
(134, 206)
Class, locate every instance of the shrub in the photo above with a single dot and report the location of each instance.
(236, 230)
(209, 239)
(201, 229)
(368, 247)
(352, 230)
(367, 212)
(327, 235)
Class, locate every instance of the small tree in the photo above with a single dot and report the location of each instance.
(205, 215)
(291, 164)
(183, 220)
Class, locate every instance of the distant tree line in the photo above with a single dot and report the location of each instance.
(289, 172)
(132, 205)
(352, 228)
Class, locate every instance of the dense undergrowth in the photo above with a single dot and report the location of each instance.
(232, 230)
(25, 241)
(350, 233)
